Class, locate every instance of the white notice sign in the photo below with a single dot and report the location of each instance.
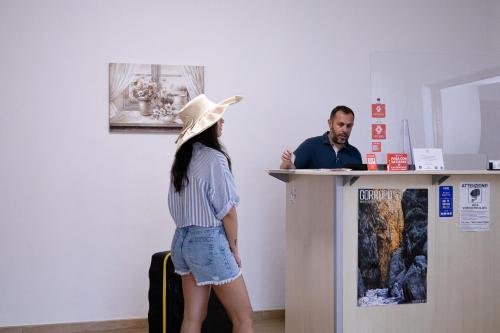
(474, 206)
(428, 159)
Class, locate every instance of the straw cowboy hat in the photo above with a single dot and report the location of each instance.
(199, 114)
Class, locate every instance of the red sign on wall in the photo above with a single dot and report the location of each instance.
(378, 131)
(378, 110)
(376, 147)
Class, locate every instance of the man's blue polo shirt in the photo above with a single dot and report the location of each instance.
(318, 153)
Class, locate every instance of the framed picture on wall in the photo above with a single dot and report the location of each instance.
(147, 98)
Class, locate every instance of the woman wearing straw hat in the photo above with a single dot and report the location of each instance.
(202, 201)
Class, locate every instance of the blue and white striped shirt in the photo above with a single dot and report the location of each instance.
(210, 193)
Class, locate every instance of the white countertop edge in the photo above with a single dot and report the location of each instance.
(343, 172)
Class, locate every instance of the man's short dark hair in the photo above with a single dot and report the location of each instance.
(341, 108)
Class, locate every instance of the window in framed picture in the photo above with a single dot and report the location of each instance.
(147, 98)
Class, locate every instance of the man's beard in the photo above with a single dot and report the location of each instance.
(337, 140)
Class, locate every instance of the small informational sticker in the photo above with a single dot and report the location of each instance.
(445, 201)
(378, 110)
(378, 132)
(371, 161)
(376, 147)
(474, 206)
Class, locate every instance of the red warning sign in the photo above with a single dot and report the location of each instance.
(376, 147)
(378, 131)
(378, 110)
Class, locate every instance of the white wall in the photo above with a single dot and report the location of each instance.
(82, 210)
(494, 26)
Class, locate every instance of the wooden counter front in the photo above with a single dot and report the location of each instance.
(321, 256)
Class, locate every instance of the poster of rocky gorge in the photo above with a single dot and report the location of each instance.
(392, 246)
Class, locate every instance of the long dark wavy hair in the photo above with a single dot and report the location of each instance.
(183, 156)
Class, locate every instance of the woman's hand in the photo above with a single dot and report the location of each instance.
(230, 222)
(237, 257)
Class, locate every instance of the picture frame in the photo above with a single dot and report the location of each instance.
(147, 97)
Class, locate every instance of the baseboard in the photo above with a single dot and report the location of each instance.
(125, 324)
(269, 314)
(94, 326)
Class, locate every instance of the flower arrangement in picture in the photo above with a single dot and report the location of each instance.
(154, 100)
(164, 105)
(144, 91)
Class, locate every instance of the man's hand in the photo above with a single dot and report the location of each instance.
(286, 160)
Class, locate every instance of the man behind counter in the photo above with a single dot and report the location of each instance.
(328, 151)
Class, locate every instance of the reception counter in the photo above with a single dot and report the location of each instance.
(456, 287)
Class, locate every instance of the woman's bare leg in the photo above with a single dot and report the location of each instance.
(195, 304)
(234, 297)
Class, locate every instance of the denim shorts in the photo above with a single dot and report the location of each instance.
(204, 252)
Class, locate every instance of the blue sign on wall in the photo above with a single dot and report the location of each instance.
(445, 201)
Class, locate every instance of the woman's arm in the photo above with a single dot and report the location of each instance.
(230, 222)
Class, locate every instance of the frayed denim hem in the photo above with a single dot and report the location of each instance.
(218, 283)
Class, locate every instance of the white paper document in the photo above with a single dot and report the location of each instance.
(428, 159)
(474, 206)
